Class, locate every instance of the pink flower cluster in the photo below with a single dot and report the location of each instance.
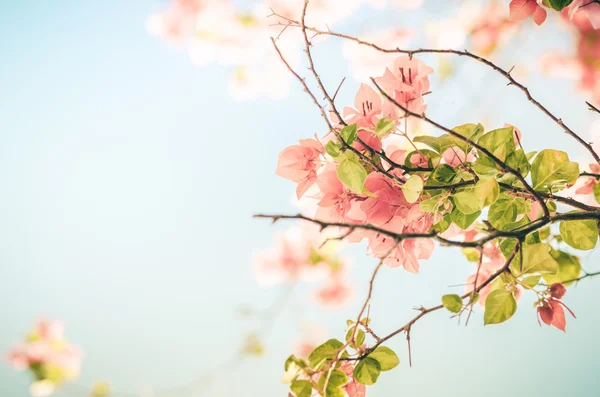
(550, 309)
(301, 254)
(382, 203)
(48, 356)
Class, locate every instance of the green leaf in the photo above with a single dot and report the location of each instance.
(301, 388)
(530, 281)
(412, 188)
(430, 141)
(569, 268)
(580, 234)
(500, 305)
(469, 131)
(337, 380)
(536, 258)
(467, 202)
(352, 174)
(597, 192)
(349, 133)
(558, 5)
(484, 166)
(552, 171)
(386, 358)
(487, 191)
(432, 204)
(324, 352)
(472, 254)
(507, 246)
(433, 158)
(463, 220)
(333, 149)
(442, 175)
(505, 210)
(367, 371)
(384, 126)
(499, 142)
(452, 302)
(443, 224)
(294, 360)
(360, 337)
(518, 161)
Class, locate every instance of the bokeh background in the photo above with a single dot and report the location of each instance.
(129, 178)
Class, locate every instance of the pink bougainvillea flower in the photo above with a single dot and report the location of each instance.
(291, 258)
(407, 82)
(551, 309)
(586, 7)
(456, 156)
(408, 252)
(521, 9)
(552, 313)
(353, 388)
(418, 160)
(299, 163)
(557, 290)
(337, 202)
(369, 139)
(298, 254)
(385, 201)
(536, 211)
(334, 293)
(368, 109)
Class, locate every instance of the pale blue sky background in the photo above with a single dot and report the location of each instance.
(128, 183)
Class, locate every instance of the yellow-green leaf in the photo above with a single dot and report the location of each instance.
(500, 305)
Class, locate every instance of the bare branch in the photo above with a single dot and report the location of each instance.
(592, 107)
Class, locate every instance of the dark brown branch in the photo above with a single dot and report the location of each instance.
(590, 174)
(517, 233)
(592, 107)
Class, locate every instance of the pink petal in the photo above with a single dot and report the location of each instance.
(539, 15)
(521, 9)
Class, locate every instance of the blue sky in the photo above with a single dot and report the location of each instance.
(129, 181)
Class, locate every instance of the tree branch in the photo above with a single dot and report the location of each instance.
(519, 233)
(465, 53)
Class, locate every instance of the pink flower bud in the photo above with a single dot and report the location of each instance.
(557, 290)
